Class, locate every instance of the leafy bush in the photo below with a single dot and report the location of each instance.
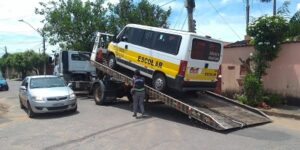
(271, 99)
(242, 98)
(252, 89)
(230, 93)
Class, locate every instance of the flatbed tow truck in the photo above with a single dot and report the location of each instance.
(214, 110)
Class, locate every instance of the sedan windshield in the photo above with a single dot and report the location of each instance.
(46, 82)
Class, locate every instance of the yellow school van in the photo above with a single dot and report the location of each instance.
(172, 59)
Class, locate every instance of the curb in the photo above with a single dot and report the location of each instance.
(278, 114)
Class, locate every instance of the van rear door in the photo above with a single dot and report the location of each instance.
(204, 60)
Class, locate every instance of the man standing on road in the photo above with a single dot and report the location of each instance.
(138, 93)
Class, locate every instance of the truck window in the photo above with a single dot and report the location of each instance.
(205, 50)
(79, 57)
(168, 43)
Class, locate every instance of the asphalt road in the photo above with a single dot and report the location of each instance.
(113, 127)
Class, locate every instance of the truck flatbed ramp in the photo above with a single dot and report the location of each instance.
(209, 108)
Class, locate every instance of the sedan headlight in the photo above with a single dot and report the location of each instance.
(37, 98)
(72, 96)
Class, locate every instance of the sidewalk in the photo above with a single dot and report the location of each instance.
(284, 111)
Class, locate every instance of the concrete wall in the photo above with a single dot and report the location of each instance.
(283, 77)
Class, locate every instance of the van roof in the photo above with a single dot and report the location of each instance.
(172, 31)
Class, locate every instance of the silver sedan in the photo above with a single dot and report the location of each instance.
(46, 93)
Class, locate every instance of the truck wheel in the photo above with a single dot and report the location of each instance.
(99, 94)
(159, 82)
(112, 61)
(129, 97)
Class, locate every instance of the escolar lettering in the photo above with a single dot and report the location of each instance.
(150, 61)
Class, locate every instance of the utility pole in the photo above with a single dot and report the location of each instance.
(247, 14)
(274, 7)
(44, 51)
(190, 5)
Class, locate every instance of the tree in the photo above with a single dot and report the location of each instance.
(72, 23)
(23, 62)
(294, 26)
(274, 5)
(268, 33)
(126, 11)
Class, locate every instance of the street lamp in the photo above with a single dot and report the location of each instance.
(41, 33)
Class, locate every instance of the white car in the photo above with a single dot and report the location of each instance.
(46, 93)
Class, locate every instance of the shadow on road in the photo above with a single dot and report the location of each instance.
(159, 110)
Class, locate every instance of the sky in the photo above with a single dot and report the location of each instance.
(220, 19)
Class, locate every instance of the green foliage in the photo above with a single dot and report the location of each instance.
(252, 89)
(71, 23)
(23, 62)
(294, 25)
(268, 33)
(242, 98)
(271, 99)
(126, 11)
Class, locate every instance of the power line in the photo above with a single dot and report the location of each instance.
(223, 19)
(177, 20)
(184, 23)
(167, 3)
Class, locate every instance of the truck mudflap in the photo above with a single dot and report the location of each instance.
(209, 108)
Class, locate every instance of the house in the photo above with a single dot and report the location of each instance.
(283, 76)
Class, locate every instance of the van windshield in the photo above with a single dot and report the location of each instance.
(205, 50)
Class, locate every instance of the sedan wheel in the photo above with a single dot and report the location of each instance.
(30, 113)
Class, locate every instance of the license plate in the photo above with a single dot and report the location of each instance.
(58, 104)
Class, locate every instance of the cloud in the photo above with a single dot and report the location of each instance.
(298, 6)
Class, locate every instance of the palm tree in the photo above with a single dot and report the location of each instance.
(274, 5)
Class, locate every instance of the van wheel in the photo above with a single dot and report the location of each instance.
(112, 61)
(159, 82)
(99, 94)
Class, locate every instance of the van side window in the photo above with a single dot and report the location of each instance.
(205, 50)
(148, 39)
(135, 36)
(168, 43)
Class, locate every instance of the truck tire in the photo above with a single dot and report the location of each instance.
(112, 61)
(159, 82)
(99, 93)
(129, 97)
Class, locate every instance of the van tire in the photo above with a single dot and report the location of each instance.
(111, 63)
(159, 82)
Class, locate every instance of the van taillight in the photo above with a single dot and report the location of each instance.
(182, 68)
